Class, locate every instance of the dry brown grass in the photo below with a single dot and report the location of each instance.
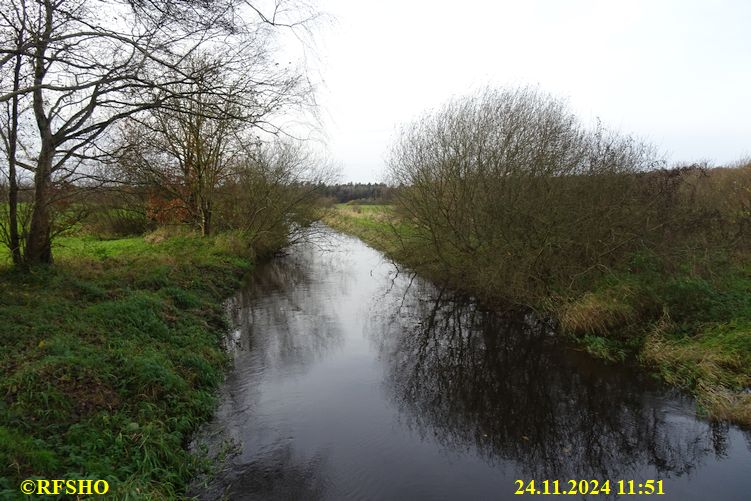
(718, 379)
(723, 404)
(599, 313)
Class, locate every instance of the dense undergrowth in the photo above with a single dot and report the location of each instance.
(110, 360)
(688, 320)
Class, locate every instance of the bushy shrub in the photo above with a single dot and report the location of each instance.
(511, 193)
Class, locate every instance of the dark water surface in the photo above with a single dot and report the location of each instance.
(354, 382)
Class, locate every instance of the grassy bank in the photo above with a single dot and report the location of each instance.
(688, 321)
(375, 224)
(110, 360)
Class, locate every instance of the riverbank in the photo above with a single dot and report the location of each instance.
(689, 324)
(111, 359)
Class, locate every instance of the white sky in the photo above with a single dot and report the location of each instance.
(674, 72)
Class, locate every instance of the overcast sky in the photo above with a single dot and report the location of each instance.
(674, 72)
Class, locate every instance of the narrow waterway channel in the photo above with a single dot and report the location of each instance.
(352, 381)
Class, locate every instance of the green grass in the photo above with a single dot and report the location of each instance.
(110, 361)
(377, 225)
(687, 321)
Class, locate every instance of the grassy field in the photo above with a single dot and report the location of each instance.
(111, 359)
(688, 325)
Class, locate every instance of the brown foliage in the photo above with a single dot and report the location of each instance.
(166, 210)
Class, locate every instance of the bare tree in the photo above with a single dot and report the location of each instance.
(85, 65)
(187, 151)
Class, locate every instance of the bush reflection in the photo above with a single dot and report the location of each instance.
(503, 386)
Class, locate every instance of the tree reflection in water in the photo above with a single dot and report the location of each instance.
(504, 387)
(305, 408)
(281, 329)
(297, 327)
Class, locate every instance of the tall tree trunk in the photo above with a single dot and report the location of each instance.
(38, 243)
(15, 247)
(15, 241)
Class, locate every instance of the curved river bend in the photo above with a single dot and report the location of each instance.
(354, 382)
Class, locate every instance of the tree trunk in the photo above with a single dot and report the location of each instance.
(15, 247)
(205, 220)
(38, 244)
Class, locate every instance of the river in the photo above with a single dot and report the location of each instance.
(353, 380)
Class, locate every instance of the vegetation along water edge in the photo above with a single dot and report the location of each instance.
(506, 195)
(111, 359)
(690, 327)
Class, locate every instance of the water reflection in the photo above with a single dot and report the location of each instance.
(503, 387)
(298, 327)
(277, 474)
(283, 325)
(352, 383)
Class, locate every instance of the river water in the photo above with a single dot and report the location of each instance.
(355, 381)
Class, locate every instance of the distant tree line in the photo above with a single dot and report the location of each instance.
(365, 193)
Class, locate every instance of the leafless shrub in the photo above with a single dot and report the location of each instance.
(508, 191)
(273, 193)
